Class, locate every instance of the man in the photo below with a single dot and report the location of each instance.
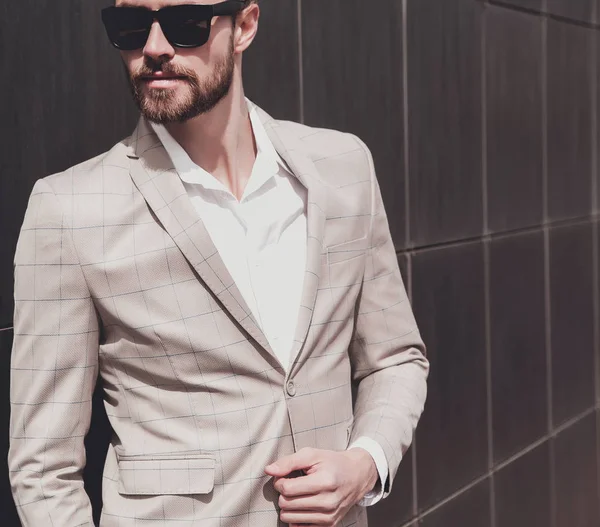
(231, 278)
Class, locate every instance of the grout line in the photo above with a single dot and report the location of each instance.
(594, 41)
(596, 309)
(547, 280)
(522, 453)
(544, 14)
(595, 204)
(407, 226)
(453, 496)
(493, 515)
(300, 61)
(413, 450)
(549, 369)
(594, 108)
(544, 122)
(565, 426)
(573, 421)
(553, 488)
(570, 222)
(415, 481)
(409, 276)
(598, 457)
(488, 373)
(484, 124)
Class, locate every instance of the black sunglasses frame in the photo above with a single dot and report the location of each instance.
(167, 17)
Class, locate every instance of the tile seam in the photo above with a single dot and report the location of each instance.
(533, 229)
(500, 466)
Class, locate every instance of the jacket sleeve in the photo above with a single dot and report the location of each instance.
(54, 365)
(387, 353)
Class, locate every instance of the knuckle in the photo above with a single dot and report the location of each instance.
(330, 481)
(331, 503)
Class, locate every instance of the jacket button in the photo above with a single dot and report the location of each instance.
(291, 388)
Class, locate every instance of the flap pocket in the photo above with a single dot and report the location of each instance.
(155, 475)
(349, 250)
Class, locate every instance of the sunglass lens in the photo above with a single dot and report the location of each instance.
(127, 27)
(186, 26)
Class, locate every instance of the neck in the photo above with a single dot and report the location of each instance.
(221, 141)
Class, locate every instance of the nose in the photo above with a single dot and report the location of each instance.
(157, 47)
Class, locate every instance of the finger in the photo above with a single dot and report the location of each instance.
(304, 486)
(304, 518)
(324, 502)
(301, 460)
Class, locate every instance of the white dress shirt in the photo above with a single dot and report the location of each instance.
(262, 241)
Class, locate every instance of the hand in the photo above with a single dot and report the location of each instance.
(333, 483)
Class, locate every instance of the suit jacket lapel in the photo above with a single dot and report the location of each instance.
(289, 147)
(154, 175)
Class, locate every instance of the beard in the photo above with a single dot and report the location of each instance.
(164, 105)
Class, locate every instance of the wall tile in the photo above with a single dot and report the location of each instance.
(353, 82)
(76, 104)
(569, 120)
(449, 304)
(572, 320)
(514, 118)
(396, 509)
(523, 491)
(271, 64)
(517, 313)
(577, 476)
(7, 506)
(444, 101)
(580, 10)
(470, 508)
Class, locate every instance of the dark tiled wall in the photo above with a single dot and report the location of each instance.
(483, 120)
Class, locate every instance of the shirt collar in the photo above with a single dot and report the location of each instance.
(268, 162)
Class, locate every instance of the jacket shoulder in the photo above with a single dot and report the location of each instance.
(341, 158)
(106, 172)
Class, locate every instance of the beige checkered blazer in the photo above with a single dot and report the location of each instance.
(116, 275)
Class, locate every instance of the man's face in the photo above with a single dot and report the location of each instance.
(173, 85)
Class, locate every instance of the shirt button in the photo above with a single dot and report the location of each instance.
(291, 388)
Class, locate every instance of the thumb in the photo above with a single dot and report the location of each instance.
(301, 460)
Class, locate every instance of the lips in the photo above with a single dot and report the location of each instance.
(162, 77)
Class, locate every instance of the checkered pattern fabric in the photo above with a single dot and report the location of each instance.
(116, 276)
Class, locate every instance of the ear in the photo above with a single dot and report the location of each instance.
(246, 27)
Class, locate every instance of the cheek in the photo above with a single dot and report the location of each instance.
(133, 60)
(198, 63)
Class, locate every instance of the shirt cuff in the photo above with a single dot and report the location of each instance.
(376, 452)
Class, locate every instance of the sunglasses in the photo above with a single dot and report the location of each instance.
(184, 26)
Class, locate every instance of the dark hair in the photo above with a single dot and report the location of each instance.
(246, 4)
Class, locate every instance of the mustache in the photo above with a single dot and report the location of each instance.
(167, 68)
